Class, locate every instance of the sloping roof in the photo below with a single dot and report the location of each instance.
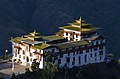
(60, 33)
(34, 33)
(31, 42)
(94, 37)
(18, 39)
(16, 47)
(34, 36)
(42, 46)
(70, 44)
(79, 25)
(52, 38)
(25, 40)
(79, 29)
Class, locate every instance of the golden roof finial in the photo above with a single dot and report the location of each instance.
(80, 20)
(34, 31)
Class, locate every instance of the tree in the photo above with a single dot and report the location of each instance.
(35, 65)
(49, 71)
(66, 72)
(13, 76)
(111, 55)
(27, 72)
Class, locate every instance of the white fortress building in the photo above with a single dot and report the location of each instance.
(76, 44)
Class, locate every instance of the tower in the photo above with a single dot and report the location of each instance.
(78, 30)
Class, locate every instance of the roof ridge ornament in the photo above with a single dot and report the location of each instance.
(80, 20)
(34, 31)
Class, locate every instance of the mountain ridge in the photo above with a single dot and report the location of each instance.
(21, 17)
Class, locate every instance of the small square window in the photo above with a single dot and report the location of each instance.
(100, 52)
(19, 56)
(73, 58)
(23, 52)
(73, 63)
(90, 55)
(68, 54)
(59, 61)
(31, 54)
(68, 60)
(95, 54)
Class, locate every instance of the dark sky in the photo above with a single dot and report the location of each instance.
(18, 17)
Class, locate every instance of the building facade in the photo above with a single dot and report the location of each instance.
(76, 44)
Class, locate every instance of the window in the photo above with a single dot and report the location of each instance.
(73, 53)
(101, 47)
(73, 63)
(19, 52)
(59, 61)
(90, 55)
(15, 54)
(68, 54)
(19, 56)
(53, 50)
(27, 47)
(23, 52)
(68, 60)
(76, 35)
(66, 33)
(31, 54)
(15, 50)
(95, 54)
(100, 52)
(77, 52)
(65, 64)
(73, 58)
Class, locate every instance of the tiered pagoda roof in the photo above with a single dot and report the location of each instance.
(79, 25)
(34, 38)
(40, 42)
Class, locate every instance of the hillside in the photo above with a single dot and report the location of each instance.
(91, 71)
(18, 17)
